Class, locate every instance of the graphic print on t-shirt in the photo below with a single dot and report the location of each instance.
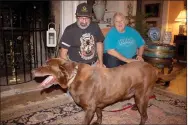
(87, 48)
(126, 42)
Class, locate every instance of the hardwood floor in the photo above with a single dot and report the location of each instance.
(178, 85)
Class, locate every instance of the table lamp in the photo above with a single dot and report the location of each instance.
(182, 18)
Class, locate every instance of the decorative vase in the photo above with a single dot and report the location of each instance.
(154, 34)
(167, 37)
(99, 10)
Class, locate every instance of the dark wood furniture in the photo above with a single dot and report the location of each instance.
(181, 47)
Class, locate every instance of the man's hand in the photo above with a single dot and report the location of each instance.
(99, 64)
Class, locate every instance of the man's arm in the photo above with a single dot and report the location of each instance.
(100, 53)
(99, 43)
(63, 53)
(65, 44)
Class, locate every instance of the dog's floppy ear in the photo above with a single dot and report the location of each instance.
(63, 79)
(56, 61)
(63, 70)
(67, 68)
(68, 65)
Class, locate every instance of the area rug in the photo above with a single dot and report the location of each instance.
(166, 108)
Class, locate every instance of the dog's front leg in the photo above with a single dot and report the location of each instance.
(89, 113)
(99, 117)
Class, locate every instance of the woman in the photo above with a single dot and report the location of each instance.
(122, 43)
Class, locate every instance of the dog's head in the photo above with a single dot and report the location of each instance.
(59, 71)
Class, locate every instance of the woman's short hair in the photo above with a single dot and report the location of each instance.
(120, 15)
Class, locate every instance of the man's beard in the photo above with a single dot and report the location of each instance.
(82, 26)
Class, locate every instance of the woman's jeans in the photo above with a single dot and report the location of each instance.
(111, 61)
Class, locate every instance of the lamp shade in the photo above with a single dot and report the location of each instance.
(181, 16)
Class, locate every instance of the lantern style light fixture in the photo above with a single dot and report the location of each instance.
(51, 40)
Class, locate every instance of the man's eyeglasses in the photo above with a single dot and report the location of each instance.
(84, 18)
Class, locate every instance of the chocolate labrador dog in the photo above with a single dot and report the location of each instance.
(94, 88)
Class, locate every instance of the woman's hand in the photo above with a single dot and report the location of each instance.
(140, 58)
(131, 60)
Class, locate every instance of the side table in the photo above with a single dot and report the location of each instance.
(181, 47)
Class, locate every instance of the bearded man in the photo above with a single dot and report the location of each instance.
(82, 41)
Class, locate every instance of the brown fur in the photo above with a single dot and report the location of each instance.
(94, 88)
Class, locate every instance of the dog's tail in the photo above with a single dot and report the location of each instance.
(168, 77)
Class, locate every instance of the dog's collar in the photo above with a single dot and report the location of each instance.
(73, 75)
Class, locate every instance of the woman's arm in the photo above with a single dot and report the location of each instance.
(140, 53)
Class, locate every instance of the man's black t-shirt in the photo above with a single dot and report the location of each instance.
(81, 43)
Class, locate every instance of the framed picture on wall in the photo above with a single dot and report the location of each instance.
(152, 10)
(151, 24)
